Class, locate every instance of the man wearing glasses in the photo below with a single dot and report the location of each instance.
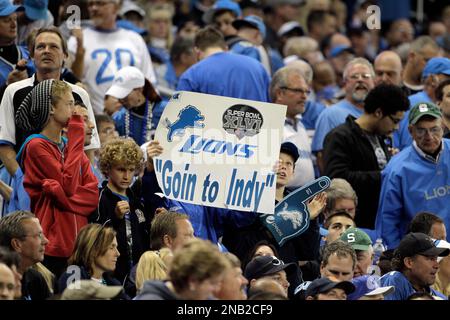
(417, 179)
(356, 150)
(288, 87)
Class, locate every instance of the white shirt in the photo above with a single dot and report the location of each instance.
(304, 169)
(106, 52)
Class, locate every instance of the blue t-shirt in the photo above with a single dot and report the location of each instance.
(6, 67)
(276, 60)
(312, 112)
(208, 222)
(247, 49)
(403, 288)
(330, 118)
(171, 76)
(229, 75)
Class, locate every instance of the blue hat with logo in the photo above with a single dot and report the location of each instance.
(221, 5)
(6, 8)
(369, 285)
(437, 65)
(336, 51)
(254, 22)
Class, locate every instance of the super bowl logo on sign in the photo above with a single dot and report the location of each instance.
(242, 120)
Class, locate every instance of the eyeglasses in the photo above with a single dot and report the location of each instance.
(297, 90)
(394, 120)
(357, 76)
(435, 131)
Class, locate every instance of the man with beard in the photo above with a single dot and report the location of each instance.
(356, 151)
(359, 80)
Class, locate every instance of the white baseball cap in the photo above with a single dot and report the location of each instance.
(441, 244)
(381, 290)
(90, 290)
(125, 80)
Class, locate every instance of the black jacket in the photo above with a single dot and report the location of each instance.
(34, 286)
(75, 272)
(348, 154)
(140, 226)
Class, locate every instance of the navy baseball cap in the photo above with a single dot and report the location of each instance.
(6, 8)
(221, 5)
(251, 21)
(266, 265)
(290, 149)
(336, 51)
(437, 65)
(324, 285)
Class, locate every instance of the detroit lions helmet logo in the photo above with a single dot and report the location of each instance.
(294, 216)
(188, 117)
(291, 216)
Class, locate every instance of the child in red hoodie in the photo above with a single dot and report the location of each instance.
(57, 174)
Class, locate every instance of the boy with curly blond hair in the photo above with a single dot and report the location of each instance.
(120, 204)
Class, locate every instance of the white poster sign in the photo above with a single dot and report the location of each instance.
(219, 151)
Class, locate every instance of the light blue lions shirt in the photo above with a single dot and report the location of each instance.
(330, 118)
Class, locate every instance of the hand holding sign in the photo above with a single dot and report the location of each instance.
(291, 217)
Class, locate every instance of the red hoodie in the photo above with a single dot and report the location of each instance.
(63, 189)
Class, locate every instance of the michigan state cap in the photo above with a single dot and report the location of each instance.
(423, 109)
(358, 239)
